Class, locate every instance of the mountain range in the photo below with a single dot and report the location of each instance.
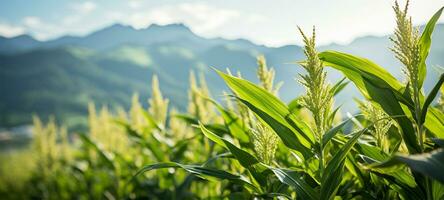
(61, 76)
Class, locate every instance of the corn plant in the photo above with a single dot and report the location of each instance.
(257, 146)
(419, 123)
(396, 108)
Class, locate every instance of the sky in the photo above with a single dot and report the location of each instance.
(272, 23)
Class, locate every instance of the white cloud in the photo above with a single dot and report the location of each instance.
(134, 4)
(84, 7)
(32, 21)
(201, 17)
(9, 30)
(40, 29)
(260, 21)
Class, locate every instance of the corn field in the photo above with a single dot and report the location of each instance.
(252, 145)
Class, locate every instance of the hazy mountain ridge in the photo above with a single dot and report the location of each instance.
(107, 66)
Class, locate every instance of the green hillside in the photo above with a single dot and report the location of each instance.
(61, 76)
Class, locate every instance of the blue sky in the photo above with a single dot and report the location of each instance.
(271, 23)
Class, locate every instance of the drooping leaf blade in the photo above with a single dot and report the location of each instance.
(273, 111)
(232, 122)
(243, 157)
(430, 164)
(377, 85)
(293, 179)
(203, 172)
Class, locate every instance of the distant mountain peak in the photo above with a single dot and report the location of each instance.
(169, 26)
(119, 26)
(23, 36)
(115, 27)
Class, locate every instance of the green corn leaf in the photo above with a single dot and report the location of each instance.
(105, 157)
(283, 131)
(331, 183)
(218, 128)
(332, 115)
(372, 154)
(332, 174)
(272, 111)
(387, 100)
(430, 98)
(429, 164)
(405, 191)
(151, 120)
(339, 86)
(293, 179)
(365, 67)
(438, 190)
(425, 42)
(434, 122)
(151, 142)
(357, 68)
(232, 122)
(245, 159)
(438, 141)
(274, 195)
(377, 85)
(332, 132)
(294, 106)
(203, 172)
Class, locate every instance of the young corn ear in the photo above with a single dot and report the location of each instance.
(158, 105)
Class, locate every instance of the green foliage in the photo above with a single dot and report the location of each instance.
(256, 147)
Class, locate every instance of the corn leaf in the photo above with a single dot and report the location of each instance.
(332, 175)
(102, 154)
(339, 86)
(332, 132)
(245, 159)
(430, 164)
(293, 179)
(430, 98)
(372, 154)
(203, 172)
(377, 85)
(151, 143)
(425, 42)
(272, 111)
(232, 122)
(386, 99)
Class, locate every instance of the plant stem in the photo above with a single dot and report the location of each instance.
(321, 158)
(429, 188)
(419, 125)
